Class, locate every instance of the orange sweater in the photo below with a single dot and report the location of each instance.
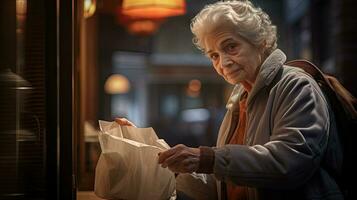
(235, 192)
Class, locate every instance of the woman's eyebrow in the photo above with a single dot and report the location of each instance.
(208, 52)
(224, 42)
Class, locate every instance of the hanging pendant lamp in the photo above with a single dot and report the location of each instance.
(153, 8)
(143, 27)
(139, 26)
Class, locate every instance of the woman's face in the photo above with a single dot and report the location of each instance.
(233, 57)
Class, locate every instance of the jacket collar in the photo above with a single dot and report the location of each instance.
(266, 75)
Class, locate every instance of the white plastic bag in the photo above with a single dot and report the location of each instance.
(128, 166)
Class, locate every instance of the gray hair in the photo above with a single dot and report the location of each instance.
(250, 22)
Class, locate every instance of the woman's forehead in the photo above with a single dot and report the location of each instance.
(217, 38)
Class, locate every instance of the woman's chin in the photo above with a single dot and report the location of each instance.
(232, 81)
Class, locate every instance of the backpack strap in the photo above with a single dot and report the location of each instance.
(331, 85)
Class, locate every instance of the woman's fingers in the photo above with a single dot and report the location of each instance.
(180, 158)
(172, 160)
(166, 154)
(124, 122)
(121, 121)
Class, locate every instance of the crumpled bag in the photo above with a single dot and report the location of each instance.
(128, 165)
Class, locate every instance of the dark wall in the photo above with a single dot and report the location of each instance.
(346, 45)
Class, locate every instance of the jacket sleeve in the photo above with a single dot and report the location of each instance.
(298, 136)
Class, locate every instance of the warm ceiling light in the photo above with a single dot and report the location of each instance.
(117, 84)
(194, 85)
(143, 27)
(89, 8)
(137, 25)
(153, 8)
(194, 88)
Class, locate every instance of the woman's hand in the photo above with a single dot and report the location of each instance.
(180, 159)
(124, 122)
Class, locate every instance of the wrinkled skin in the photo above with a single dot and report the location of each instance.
(180, 159)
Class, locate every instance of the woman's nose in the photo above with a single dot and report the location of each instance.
(226, 61)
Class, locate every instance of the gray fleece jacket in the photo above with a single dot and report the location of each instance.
(290, 138)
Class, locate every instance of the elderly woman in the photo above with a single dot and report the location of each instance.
(273, 142)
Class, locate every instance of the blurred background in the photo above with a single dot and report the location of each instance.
(64, 65)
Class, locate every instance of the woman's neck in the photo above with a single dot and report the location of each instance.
(247, 86)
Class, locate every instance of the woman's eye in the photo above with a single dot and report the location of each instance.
(214, 56)
(231, 48)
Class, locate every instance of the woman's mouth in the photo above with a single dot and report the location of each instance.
(232, 73)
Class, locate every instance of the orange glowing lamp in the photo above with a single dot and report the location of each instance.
(143, 27)
(153, 8)
(137, 25)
